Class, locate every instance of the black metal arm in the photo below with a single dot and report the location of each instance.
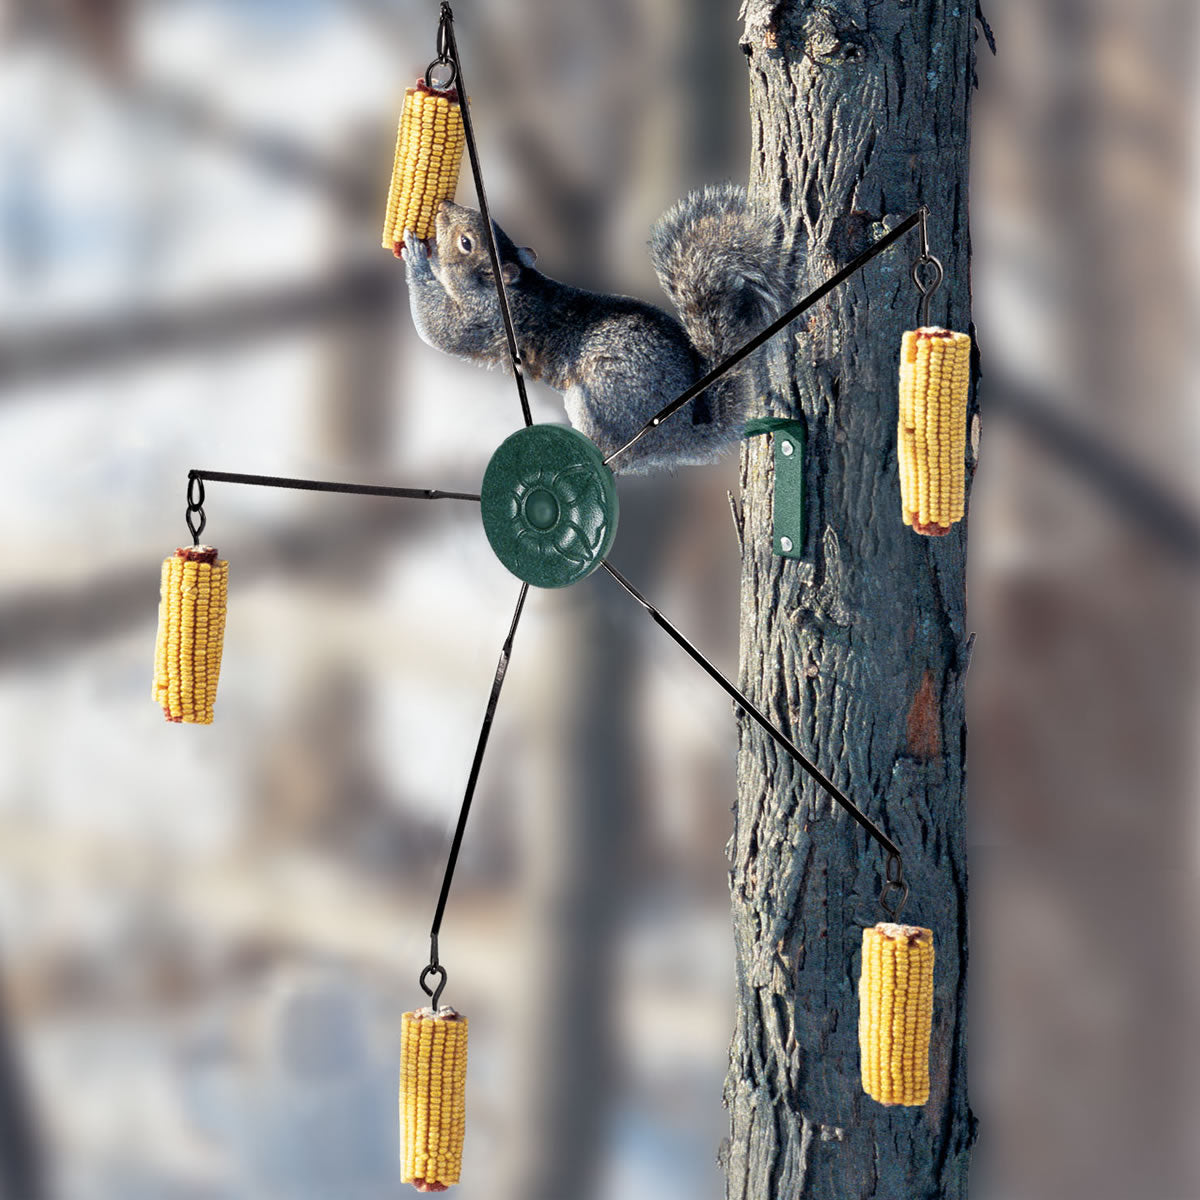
(918, 218)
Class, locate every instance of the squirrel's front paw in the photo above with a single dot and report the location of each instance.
(416, 252)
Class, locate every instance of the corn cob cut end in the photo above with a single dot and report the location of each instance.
(928, 528)
(432, 1097)
(896, 1013)
(197, 554)
(909, 935)
(191, 632)
(450, 93)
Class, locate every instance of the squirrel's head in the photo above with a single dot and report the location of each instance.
(462, 264)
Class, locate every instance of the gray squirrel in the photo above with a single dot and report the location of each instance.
(616, 360)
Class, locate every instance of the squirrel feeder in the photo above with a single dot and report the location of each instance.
(548, 503)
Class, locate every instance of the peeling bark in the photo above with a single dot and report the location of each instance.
(860, 114)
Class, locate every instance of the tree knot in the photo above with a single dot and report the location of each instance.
(924, 725)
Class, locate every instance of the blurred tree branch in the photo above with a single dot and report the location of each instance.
(226, 321)
(41, 623)
(262, 149)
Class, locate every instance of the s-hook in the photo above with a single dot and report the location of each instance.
(445, 61)
(894, 884)
(436, 969)
(926, 283)
(195, 507)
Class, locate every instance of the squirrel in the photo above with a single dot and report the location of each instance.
(617, 360)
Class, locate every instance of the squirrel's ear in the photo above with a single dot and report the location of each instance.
(527, 255)
(510, 273)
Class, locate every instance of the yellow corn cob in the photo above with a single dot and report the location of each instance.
(433, 1082)
(935, 377)
(429, 149)
(191, 632)
(895, 1012)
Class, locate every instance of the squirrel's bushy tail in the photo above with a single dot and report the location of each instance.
(721, 261)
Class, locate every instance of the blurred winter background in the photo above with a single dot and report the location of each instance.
(207, 935)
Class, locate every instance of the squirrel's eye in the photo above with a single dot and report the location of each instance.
(465, 243)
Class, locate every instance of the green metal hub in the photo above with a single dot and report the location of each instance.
(549, 505)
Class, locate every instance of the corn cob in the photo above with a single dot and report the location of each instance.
(191, 633)
(935, 376)
(433, 1078)
(429, 149)
(895, 1012)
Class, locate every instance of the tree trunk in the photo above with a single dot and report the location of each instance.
(858, 652)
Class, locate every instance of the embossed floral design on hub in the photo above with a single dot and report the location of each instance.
(549, 505)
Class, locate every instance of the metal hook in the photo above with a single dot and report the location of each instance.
(446, 58)
(195, 507)
(195, 529)
(435, 74)
(434, 994)
(893, 883)
(434, 968)
(920, 267)
(927, 289)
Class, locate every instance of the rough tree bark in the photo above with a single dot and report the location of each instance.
(859, 652)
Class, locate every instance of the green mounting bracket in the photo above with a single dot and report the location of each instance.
(789, 490)
(788, 530)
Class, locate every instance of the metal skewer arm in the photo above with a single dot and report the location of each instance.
(448, 55)
(918, 218)
(744, 702)
(435, 967)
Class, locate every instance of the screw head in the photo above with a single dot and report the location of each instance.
(787, 448)
(785, 543)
